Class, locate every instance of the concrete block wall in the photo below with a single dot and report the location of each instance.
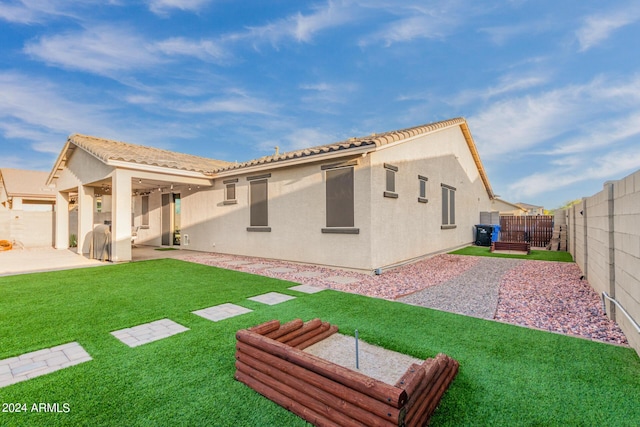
(604, 239)
(31, 229)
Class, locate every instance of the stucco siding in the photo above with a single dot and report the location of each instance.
(82, 168)
(296, 217)
(403, 228)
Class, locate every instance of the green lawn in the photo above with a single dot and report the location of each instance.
(534, 255)
(508, 376)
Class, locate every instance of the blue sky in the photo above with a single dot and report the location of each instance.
(551, 89)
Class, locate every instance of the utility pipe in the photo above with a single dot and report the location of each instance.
(604, 307)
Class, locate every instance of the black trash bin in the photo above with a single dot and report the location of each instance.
(483, 234)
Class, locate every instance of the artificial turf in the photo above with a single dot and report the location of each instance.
(508, 375)
(534, 255)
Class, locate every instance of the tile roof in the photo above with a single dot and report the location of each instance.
(106, 150)
(374, 140)
(26, 183)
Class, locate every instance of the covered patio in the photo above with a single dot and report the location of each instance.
(134, 190)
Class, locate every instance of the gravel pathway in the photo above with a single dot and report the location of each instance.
(473, 293)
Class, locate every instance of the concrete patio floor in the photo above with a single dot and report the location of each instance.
(20, 261)
(36, 260)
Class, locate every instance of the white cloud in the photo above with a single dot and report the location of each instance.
(322, 94)
(599, 27)
(101, 50)
(115, 52)
(234, 104)
(613, 165)
(605, 133)
(33, 109)
(521, 124)
(506, 84)
(205, 50)
(300, 27)
(161, 7)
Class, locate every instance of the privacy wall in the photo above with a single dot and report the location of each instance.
(26, 228)
(604, 239)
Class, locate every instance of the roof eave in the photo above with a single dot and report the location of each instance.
(346, 152)
(59, 160)
(476, 158)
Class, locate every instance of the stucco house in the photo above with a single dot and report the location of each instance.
(507, 208)
(364, 203)
(25, 190)
(26, 208)
(531, 209)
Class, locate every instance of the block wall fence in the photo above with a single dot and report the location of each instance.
(604, 239)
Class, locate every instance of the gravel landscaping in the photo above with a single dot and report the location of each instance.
(538, 294)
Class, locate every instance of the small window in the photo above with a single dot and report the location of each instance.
(448, 206)
(390, 190)
(230, 191)
(145, 211)
(422, 189)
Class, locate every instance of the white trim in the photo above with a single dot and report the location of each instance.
(158, 169)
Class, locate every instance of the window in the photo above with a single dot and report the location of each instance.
(422, 189)
(259, 207)
(448, 206)
(390, 171)
(340, 201)
(230, 191)
(145, 211)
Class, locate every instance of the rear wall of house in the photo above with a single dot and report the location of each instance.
(296, 217)
(404, 228)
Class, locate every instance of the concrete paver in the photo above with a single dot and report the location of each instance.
(271, 298)
(41, 362)
(343, 280)
(308, 274)
(148, 332)
(256, 266)
(281, 270)
(221, 312)
(307, 289)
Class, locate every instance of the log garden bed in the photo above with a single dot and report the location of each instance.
(270, 359)
(511, 246)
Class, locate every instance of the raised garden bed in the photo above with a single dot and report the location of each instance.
(270, 359)
(511, 246)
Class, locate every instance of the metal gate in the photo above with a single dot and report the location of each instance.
(536, 230)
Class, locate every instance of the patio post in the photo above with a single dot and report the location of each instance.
(121, 216)
(85, 218)
(62, 220)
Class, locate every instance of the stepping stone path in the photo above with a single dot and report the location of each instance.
(308, 274)
(342, 280)
(281, 270)
(221, 312)
(41, 362)
(307, 289)
(148, 332)
(239, 262)
(256, 266)
(271, 298)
